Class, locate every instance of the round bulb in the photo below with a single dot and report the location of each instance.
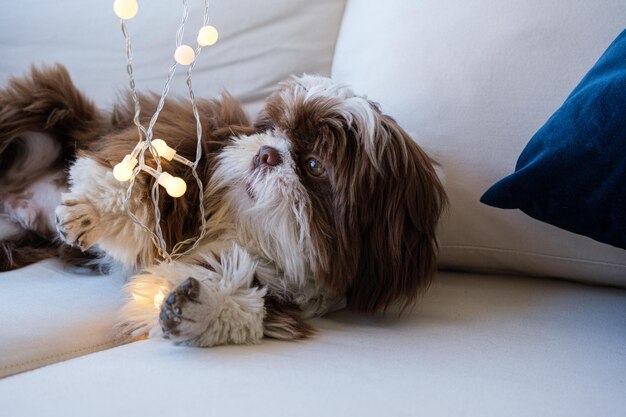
(207, 36)
(176, 187)
(159, 297)
(125, 9)
(122, 171)
(184, 55)
(163, 150)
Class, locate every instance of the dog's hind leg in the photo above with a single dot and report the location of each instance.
(47, 101)
(44, 119)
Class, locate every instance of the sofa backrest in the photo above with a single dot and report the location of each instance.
(260, 43)
(472, 81)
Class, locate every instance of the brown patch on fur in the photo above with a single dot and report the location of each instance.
(283, 320)
(24, 250)
(372, 228)
(29, 248)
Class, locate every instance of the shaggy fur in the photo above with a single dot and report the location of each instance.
(323, 202)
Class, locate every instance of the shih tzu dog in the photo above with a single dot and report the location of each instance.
(323, 203)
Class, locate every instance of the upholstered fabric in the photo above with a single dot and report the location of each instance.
(572, 172)
(476, 346)
(260, 44)
(472, 82)
(50, 313)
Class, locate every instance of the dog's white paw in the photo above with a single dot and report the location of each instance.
(78, 222)
(186, 312)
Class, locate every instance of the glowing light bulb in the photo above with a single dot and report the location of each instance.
(125, 9)
(174, 186)
(163, 150)
(207, 36)
(184, 55)
(159, 297)
(124, 170)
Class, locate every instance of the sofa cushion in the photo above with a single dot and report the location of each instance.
(471, 82)
(476, 346)
(50, 313)
(572, 172)
(260, 43)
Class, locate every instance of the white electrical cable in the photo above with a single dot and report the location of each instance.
(135, 161)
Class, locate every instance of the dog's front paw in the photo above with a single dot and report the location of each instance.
(185, 313)
(78, 222)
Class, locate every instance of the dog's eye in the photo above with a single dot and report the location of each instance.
(315, 167)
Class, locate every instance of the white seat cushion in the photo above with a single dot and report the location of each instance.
(50, 314)
(477, 345)
(472, 82)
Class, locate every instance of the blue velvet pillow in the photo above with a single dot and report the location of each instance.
(572, 173)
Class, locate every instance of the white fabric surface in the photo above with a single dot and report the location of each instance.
(476, 346)
(472, 81)
(49, 314)
(260, 43)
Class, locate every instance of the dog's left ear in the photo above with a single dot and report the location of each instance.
(401, 204)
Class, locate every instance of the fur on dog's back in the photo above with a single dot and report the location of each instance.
(46, 123)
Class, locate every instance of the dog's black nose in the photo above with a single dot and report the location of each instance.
(269, 156)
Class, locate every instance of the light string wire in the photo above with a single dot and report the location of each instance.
(194, 242)
(145, 143)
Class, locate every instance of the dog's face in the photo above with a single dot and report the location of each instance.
(332, 188)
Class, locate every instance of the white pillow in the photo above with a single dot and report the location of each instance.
(260, 43)
(472, 81)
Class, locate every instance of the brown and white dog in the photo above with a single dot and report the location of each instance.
(323, 202)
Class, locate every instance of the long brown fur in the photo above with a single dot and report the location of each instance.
(373, 227)
(284, 320)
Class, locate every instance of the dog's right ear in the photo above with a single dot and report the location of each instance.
(228, 111)
(398, 215)
(263, 122)
(228, 118)
(273, 112)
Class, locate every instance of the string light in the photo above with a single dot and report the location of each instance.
(159, 297)
(184, 55)
(124, 170)
(174, 186)
(207, 36)
(125, 9)
(134, 163)
(163, 150)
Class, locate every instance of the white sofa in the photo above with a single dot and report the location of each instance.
(524, 319)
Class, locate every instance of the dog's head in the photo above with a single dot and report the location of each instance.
(332, 187)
